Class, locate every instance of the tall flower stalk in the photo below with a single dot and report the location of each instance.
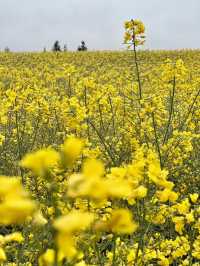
(134, 36)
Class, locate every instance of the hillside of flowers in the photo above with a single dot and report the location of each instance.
(99, 157)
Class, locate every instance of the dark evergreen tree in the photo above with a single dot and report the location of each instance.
(7, 50)
(56, 47)
(82, 47)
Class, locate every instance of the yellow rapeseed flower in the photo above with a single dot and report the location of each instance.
(73, 222)
(121, 222)
(48, 258)
(93, 168)
(194, 197)
(2, 255)
(40, 161)
(71, 150)
(167, 195)
(16, 236)
(16, 211)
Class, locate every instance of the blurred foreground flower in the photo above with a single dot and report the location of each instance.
(15, 205)
(40, 161)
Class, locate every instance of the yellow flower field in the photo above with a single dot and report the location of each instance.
(99, 157)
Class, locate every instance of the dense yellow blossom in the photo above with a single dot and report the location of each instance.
(99, 157)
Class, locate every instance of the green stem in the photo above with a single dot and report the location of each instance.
(137, 71)
(114, 251)
(170, 111)
(156, 139)
(87, 112)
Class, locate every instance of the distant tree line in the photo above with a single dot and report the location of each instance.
(57, 47)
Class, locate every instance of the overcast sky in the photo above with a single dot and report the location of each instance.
(33, 24)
